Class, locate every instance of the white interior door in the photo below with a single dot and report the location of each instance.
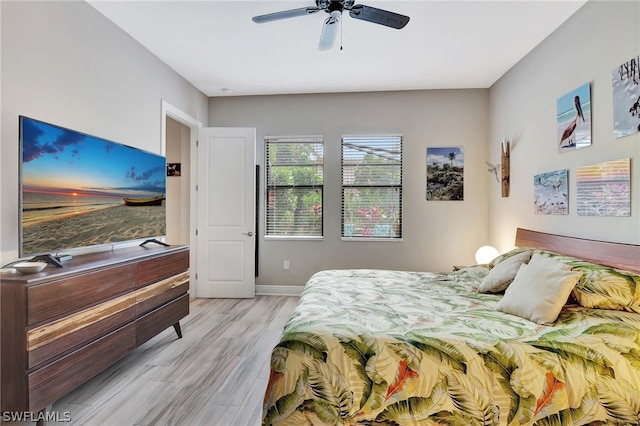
(225, 265)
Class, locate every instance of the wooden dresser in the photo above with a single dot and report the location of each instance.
(62, 326)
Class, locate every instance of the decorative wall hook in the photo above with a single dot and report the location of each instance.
(506, 154)
(493, 169)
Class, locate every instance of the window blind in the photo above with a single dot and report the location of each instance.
(294, 186)
(372, 187)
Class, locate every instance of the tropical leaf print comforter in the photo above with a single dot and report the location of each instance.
(413, 348)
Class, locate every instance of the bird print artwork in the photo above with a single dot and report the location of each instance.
(568, 138)
(626, 98)
(574, 119)
(550, 193)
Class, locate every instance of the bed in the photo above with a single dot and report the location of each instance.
(548, 333)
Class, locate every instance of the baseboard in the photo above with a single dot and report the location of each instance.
(279, 290)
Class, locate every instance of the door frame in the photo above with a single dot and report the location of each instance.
(175, 113)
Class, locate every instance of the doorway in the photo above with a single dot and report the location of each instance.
(226, 204)
(217, 271)
(178, 137)
(178, 196)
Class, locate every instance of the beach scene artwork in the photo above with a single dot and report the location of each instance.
(551, 193)
(574, 119)
(445, 173)
(626, 98)
(604, 189)
(74, 188)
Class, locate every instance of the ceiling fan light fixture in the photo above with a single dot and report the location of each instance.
(330, 30)
(334, 8)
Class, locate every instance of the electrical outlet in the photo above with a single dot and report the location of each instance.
(285, 264)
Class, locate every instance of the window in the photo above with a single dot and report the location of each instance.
(372, 187)
(294, 181)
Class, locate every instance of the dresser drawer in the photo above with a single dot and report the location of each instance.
(56, 338)
(159, 319)
(48, 384)
(56, 298)
(159, 267)
(156, 294)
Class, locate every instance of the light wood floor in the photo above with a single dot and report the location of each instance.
(215, 375)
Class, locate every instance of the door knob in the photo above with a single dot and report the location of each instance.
(250, 234)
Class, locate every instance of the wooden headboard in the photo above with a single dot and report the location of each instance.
(616, 255)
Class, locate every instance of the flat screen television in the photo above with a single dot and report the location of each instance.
(79, 191)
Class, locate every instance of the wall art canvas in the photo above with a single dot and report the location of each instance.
(445, 173)
(174, 169)
(551, 192)
(626, 98)
(574, 119)
(604, 189)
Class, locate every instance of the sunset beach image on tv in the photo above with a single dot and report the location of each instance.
(79, 190)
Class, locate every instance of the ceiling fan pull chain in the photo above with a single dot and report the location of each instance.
(341, 36)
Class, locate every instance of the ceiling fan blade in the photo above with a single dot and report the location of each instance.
(329, 30)
(379, 16)
(276, 16)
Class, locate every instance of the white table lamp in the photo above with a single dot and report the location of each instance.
(486, 254)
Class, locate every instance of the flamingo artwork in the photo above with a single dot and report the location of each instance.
(568, 138)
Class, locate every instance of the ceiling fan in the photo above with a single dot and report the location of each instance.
(334, 8)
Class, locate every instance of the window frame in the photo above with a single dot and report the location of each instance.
(400, 187)
(300, 139)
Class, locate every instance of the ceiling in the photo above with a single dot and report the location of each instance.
(448, 44)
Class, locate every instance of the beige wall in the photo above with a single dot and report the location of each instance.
(65, 63)
(436, 234)
(587, 48)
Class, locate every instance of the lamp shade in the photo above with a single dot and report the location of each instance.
(486, 254)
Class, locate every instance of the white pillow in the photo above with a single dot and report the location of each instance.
(539, 290)
(501, 275)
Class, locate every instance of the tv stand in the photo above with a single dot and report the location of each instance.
(48, 258)
(63, 326)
